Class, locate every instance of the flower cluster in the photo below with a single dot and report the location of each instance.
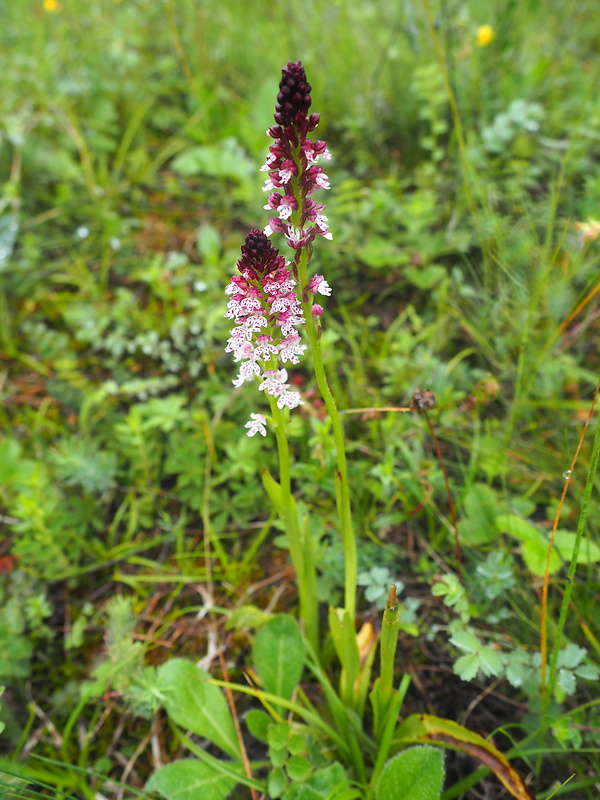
(291, 164)
(265, 301)
(267, 314)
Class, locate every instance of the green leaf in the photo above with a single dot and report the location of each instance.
(490, 661)
(258, 723)
(278, 654)
(416, 773)
(329, 782)
(248, 616)
(188, 780)
(466, 641)
(571, 656)
(564, 542)
(467, 666)
(276, 783)
(425, 277)
(277, 735)
(296, 744)
(588, 672)
(479, 524)
(534, 545)
(298, 768)
(567, 681)
(197, 705)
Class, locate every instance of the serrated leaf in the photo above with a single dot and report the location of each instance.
(566, 681)
(197, 705)
(534, 545)
(571, 656)
(278, 655)
(466, 667)
(416, 773)
(588, 672)
(188, 780)
(466, 641)
(490, 662)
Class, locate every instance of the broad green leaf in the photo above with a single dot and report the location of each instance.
(413, 774)
(428, 729)
(278, 654)
(479, 525)
(564, 543)
(534, 545)
(190, 780)
(195, 704)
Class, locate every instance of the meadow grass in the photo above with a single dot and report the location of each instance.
(462, 181)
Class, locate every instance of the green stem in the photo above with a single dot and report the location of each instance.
(566, 599)
(343, 495)
(299, 545)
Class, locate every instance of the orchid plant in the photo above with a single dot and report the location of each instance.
(271, 304)
(271, 301)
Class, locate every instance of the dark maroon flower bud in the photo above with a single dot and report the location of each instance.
(293, 99)
(259, 255)
(422, 400)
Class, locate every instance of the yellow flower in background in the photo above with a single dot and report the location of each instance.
(52, 6)
(590, 229)
(485, 34)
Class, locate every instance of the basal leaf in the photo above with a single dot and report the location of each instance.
(278, 654)
(195, 704)
(190, 780)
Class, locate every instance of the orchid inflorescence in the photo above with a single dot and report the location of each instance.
(265, 302)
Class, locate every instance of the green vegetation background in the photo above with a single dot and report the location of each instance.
(131, 135)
